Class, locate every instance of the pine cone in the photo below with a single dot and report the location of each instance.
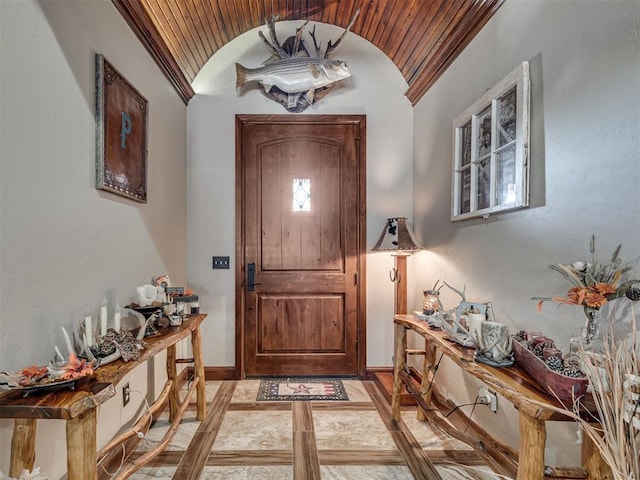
(554, 363)
(106, 348)
(633, 292)
(572, 372)
(520, 336)
(572, 362)
(539, 349)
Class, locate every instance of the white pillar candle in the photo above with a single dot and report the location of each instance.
(474, 324)
(88, 329)
(116, 318)
(103, 318)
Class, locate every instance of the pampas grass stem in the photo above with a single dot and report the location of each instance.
(617, 438)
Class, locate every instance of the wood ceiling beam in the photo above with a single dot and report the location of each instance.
(231, 20)
(437, 25)
(185, 35)
(200, 22)
(404, 28)
(170, 31)
(451, 47)
(139, 21)
(211, 25)
(415, 33)
(386, 22)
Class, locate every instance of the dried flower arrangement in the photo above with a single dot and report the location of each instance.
(595, 283)
(613, 369)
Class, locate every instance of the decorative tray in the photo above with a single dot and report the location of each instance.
(507, 362)
(47, 387)
(147, 310)
(553, 382)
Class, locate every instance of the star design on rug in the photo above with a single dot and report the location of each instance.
(302, 388)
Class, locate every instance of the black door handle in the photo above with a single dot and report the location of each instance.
(251, 277)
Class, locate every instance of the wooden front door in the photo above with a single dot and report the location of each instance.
(301, 221)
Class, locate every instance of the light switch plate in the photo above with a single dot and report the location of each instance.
(221, 263)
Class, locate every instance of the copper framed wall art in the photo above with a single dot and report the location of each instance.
(121, 134)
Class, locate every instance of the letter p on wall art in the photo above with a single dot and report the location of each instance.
(121, 134)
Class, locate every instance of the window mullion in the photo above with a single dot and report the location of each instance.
(494, 147)
(475, 122)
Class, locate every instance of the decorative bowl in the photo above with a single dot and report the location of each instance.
(554, 383)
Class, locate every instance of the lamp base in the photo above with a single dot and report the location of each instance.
(401, 284)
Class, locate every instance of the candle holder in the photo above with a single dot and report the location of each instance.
(430, 302)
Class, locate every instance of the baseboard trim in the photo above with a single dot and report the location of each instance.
(382, 375)
(218, 373)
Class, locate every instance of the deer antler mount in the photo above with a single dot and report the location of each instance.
(295, 75)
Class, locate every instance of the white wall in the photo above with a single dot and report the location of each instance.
(585, 166)
(66, 245)
(375, 89)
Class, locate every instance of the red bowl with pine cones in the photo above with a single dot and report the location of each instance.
(552, 380)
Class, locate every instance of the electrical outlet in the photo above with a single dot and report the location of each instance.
(493, 401)
(489, 398)
(126, 394)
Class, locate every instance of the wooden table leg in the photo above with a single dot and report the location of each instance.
(198, 366)
(592, 460)
(81, 446)
(428, 372)
(533, 435)
(23, 446)
(399, 364)
(172, 374)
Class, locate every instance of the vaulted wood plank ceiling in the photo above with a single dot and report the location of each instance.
(421, 37)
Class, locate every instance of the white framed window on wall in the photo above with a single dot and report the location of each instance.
(491, 150)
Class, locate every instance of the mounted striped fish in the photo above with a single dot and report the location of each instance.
(292, 76)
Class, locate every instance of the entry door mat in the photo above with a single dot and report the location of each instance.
(290, 389)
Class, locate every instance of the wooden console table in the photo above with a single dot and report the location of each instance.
(78, 406)
(535, 407)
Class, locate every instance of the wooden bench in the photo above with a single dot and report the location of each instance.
(78, 406)
(534, 406)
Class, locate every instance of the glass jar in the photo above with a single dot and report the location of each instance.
(430, 302)
(590, 339)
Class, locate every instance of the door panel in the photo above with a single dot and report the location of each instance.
(301, 240)
(288, 324)
(302, 227)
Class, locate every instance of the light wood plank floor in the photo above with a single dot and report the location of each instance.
(305, 440)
